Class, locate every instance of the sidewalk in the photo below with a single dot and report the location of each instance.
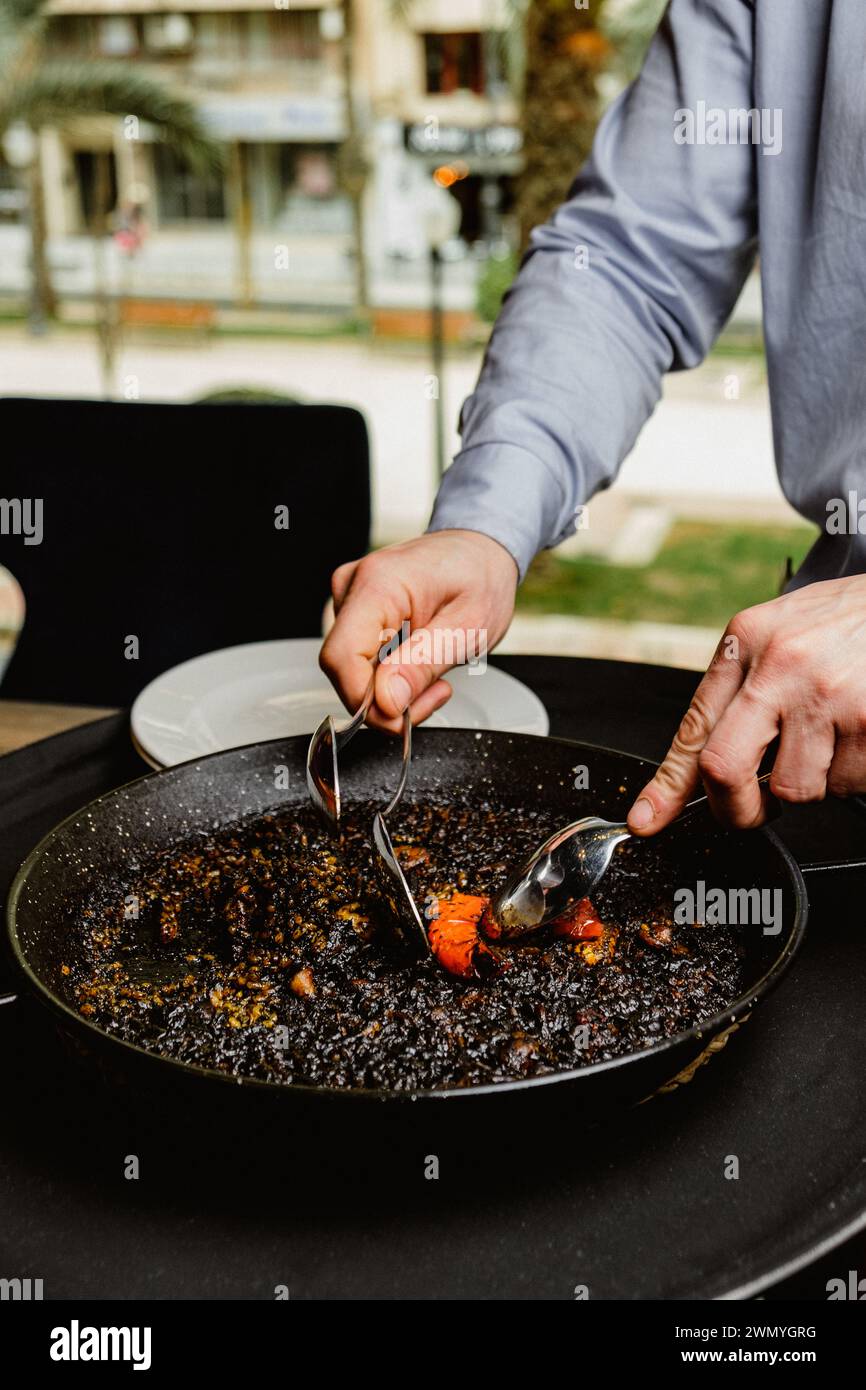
(701, 455)
(309, 272)
(661, 644)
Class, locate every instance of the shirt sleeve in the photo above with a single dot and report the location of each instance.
(632, 277)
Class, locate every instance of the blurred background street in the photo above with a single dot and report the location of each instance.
(326, 203)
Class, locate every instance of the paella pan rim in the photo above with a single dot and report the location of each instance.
(703, 1032)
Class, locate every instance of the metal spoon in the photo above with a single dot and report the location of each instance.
(566, 868)
(393, 883)
(323, 783)
(323, 777)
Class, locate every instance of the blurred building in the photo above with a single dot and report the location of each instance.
(441, 98)
(264, 78)
(430, 93)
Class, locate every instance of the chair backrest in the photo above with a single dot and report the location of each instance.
(185, 527)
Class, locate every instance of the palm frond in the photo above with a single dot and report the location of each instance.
(511, 44)
(22, 25)
(21, 21)
(14, 12)
(400, 9)
(60, 92)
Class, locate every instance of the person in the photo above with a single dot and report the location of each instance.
(131, 228)
(745, 130)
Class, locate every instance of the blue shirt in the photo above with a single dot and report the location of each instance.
(637, 272)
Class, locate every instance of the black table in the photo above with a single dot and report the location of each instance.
(230, 1205)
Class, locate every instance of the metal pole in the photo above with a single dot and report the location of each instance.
(354, 170)
(106, 309)
(437, 356)
(243, 219)
(41, 305)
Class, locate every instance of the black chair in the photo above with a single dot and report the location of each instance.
(159, 523)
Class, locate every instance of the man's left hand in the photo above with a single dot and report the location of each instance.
(794, 668)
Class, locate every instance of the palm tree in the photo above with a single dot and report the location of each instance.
(352, 164)
(565, 52)
(39, 92)
(552, 52)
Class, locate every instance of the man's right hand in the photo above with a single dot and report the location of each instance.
(446, 581)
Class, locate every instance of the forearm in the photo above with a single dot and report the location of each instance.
(633, 276)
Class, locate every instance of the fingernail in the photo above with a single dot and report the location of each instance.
(400, 691)
(641, 814)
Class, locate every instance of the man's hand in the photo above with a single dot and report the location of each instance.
(446, 582)
(795, 667)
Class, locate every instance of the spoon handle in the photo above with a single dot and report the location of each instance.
(404, 766)
(348, 731)
(700, 801)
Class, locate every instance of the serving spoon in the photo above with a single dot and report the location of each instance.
(323, 774)
(323, 784)
(330, 738)
(566, 868)
(393, 884)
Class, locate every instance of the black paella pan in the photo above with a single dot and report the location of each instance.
(101, 842)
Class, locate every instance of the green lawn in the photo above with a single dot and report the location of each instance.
(703, 574)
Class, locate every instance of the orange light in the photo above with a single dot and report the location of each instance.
(444, 176)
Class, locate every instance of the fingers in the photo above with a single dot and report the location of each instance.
(423, 658)
(340, 581)
(804, 758)
(437, 695)
(677, 778)
(445, 585)
(367, 609)
(371, 604)
(798, 670)
(846, 775)
(432, 699)
(732, 755)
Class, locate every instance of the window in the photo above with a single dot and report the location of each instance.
(86, 177)
(182, 195)
(309, 199)
(13, 206)
(72, 36)
(262, 39)
(453, 63)
(118, 36)
(308, 171)
(295, 35)
(167, 33)
(219, 36)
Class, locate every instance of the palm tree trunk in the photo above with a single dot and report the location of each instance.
(353, 171)
(106, 310)
(43, 298)
(565, 51)
(243, 218)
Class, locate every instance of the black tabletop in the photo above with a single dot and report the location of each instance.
(231, 1202)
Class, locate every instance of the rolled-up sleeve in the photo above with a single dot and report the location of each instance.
(632, 277)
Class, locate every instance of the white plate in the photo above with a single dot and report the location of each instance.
(266, 690)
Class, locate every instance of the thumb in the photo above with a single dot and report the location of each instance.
(422, 659)
(665, 795)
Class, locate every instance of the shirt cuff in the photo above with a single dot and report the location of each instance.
(505, 493)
